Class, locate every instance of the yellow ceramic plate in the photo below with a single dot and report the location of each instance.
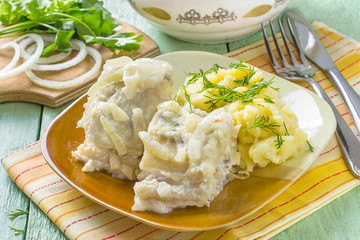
(239, 197)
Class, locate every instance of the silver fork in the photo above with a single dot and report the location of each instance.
(348, 141)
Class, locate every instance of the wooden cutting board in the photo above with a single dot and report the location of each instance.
(20, 87)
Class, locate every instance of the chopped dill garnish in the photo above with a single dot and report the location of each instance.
(187, 96)
(17, 231)
(261, 105)
(276, 89)
(227, 95)
(215, 69)
(268, 99)
(14, 214)
(279, 140)
(286, 131)
(241, 66)
(194, 77)
(311, 148)
(201, 73)
(264, 123)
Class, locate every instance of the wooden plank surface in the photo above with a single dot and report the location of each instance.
(24, 123)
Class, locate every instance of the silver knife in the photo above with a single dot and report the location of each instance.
(315, 51)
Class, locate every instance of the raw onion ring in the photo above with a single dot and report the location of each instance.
(51, 59)
(15, 58)
(72, 82)
(26, 64)
(77, 44)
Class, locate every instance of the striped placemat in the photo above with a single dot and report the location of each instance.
(327, 179)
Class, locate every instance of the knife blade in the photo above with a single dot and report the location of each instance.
(315, 51)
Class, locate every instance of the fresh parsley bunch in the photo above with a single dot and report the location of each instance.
(86, 19)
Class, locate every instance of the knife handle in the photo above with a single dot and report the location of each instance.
(349, 143)
(351, 98)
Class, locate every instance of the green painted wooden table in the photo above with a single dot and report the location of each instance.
(24, 123)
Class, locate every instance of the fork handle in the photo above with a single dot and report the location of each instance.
(350, 96)
(349, 142)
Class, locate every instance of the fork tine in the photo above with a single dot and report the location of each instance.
(268, 48)
(298, 49)
(286, 64)
(286, 43)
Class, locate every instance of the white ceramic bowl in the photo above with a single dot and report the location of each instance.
(208, 21)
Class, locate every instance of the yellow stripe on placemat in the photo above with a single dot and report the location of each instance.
(328, 178)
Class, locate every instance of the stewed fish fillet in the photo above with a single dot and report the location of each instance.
(121, 104)
(188, 155)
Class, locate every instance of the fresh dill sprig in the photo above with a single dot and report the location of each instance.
(311, 148)
(14, 214)
(286, 131)
(264, 123)
(279, 140)
(268, 99)
(17, 231)
(187, 97)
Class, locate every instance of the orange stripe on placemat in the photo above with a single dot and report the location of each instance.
(283, 204)
(52, 195)
(37, 178)
(197, 235)
(339, 48)
(350, 65)
(330, 45)
(128, 229)
(84, 219)
(10, 154)
(75, 210)
(68, 201)
(316, 199)
(352, 75)
(336, 60)
(98, 227)
(319, 166)
(148, 233)
(27, 159)
(257, 57)
(246, 50)
(29, 169)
